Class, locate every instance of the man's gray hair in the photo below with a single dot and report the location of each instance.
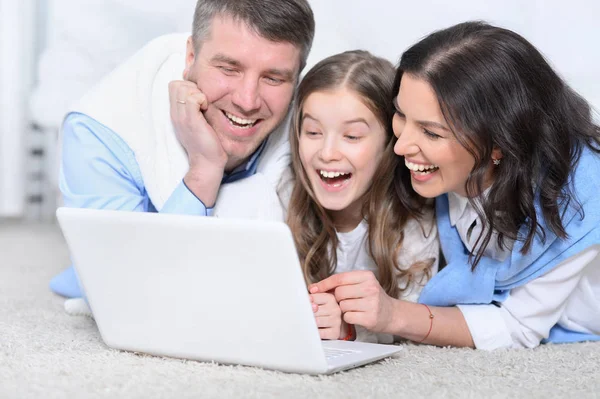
(290, 21)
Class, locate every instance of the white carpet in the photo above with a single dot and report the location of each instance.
(44, 353)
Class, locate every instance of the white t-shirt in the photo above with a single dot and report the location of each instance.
(419, 244)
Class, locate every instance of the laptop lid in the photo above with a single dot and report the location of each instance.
(209, 289)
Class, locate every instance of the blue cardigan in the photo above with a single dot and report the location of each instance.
(492, 280)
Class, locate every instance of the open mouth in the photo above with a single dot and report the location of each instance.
(334, 178)
(240, 122)
(421, 169)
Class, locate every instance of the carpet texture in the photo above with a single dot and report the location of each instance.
(46, 353)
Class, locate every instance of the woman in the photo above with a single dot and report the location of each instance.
(510, 153)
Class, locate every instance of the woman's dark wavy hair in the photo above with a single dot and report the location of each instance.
(496, 91)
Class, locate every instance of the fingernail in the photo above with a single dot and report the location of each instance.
(314, 290)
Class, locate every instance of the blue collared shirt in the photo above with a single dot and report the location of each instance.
(99, 171)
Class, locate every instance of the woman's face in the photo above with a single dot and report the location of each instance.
(438, 163)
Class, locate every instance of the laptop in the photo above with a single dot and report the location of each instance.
(202, 288)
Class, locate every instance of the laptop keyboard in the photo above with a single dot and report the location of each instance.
(332, 353)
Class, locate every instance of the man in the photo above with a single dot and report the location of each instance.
(142, 141)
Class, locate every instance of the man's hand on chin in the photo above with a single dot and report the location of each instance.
(206, 155)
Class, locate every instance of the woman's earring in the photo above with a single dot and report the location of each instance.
(496, 161)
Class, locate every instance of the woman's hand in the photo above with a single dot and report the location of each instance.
(361, 299)
(328, 316)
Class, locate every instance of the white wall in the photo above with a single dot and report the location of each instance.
(87, 38)
(16, 65)
(565, 32)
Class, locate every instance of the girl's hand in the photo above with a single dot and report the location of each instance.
(361, 299)
(328, 316)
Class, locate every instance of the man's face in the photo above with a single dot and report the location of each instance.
(248, 81)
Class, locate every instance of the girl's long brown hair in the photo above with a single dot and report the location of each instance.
(386, 206)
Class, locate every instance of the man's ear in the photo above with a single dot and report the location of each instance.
(190, 56)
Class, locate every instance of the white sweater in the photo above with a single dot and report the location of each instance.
(133, 101)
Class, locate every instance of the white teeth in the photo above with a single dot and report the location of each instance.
(324, 173)
(240, 121)
(419, 167)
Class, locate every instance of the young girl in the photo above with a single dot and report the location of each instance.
(510, 153)
(345, 210)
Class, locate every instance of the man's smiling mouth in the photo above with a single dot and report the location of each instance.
(240, 122)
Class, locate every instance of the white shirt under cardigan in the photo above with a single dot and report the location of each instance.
(569, 294)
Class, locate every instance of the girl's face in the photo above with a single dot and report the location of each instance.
(438, 163)
(341, 144)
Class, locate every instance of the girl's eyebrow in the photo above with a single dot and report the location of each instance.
(348, 122)
(309, 116)
(357, 120)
